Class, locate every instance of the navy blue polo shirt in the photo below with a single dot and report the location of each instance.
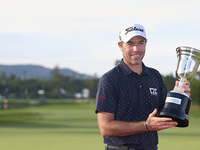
(131, 97)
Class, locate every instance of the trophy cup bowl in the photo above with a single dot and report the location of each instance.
(177, 103)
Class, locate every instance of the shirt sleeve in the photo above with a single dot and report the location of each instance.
(106, 95)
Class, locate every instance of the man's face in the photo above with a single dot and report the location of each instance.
(133, 51)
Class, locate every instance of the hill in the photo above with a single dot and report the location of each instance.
(35, 71)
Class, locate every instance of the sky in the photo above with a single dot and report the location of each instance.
(83, 35)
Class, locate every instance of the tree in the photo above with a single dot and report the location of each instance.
(24, 74)
(117, 62)
(169, 81)
(55, 73)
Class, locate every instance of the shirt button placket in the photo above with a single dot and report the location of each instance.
(140, 85)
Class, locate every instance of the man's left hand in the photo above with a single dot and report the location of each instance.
(185, 87)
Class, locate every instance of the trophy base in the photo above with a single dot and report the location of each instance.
(177, 106)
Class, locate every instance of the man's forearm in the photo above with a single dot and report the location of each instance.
(111, 127)
(119, 128)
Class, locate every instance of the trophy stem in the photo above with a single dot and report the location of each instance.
(181, 82)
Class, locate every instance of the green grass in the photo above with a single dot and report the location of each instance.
(69, 125)
(51, 127)
(181, 138)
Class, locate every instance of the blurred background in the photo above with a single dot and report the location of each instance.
(83, 35)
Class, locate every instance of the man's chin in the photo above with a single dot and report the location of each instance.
(136, 63)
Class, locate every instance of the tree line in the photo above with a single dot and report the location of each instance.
(12, 87)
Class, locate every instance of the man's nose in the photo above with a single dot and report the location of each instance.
(135, 48)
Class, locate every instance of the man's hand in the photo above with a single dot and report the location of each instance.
(185, 87)
(159, 123)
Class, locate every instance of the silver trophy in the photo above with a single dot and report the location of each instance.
(177, 103)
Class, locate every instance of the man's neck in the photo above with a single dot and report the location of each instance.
(137, 68)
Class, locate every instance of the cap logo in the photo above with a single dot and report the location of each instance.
(133, 29)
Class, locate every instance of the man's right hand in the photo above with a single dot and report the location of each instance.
(159, 123)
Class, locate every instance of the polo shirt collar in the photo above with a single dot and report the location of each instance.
(126, 70)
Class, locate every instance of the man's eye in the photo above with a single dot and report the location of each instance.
(142, 42)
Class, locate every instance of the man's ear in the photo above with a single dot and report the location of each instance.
(120, 45)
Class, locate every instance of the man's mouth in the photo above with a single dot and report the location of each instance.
(135, 55)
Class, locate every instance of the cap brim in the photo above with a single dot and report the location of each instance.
(131, 36)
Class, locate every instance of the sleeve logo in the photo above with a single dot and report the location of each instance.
(101, 97)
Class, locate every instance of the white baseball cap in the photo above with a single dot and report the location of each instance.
(130, 31)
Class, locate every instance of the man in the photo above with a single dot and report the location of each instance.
(126, 107)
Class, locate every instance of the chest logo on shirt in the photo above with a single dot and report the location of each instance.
(153, 91)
